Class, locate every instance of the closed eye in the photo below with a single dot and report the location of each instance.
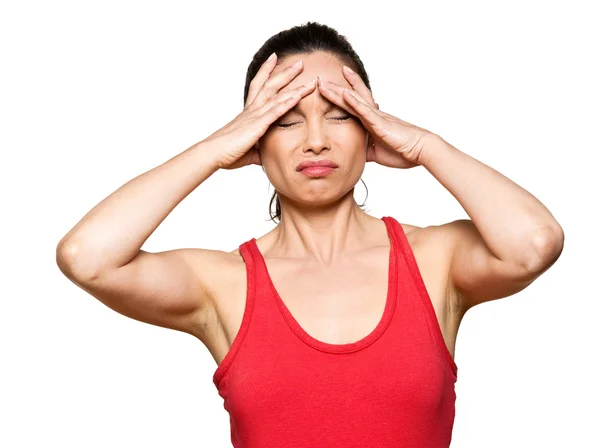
(287, 125)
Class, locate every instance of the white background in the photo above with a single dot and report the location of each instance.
(96, 93)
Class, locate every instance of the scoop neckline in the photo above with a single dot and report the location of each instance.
(365, 341)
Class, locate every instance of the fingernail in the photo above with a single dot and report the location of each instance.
(271, 57)
(310, 84)
(297, 64)
(348, 69)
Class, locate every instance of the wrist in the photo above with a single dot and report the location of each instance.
(207, 150)
(433, 144)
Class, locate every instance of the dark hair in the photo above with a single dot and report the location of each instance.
(307, 38)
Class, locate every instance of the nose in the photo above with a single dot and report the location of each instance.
(317, 139)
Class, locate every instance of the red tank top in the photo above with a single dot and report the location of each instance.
(392, 388)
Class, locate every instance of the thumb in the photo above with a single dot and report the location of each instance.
(370, 152)
(255, 157)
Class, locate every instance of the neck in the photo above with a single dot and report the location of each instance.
(321, 233)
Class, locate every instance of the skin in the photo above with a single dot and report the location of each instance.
(508, 242)
(319, 215)
(329, 244)
(322, 223)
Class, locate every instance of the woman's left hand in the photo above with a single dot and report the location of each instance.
(392, 142)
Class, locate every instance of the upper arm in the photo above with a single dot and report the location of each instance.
(166, 289)
(476, 275)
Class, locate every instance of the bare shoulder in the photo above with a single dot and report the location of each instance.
(432, 247)
(433, 241)
(410, 229)
(220, 272)
(218, 268)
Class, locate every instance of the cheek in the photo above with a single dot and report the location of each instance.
(351, 132)
(275, 163)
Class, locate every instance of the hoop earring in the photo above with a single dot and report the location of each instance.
(367, 195)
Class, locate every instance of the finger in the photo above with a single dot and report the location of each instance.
(261, 76)
(340, 90)
(358, 84)
(366, 111)
(277, 82)
(275, 109)
(333, 93)
(283, 96)
(289, 99)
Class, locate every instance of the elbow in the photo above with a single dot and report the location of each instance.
(547, 246)
(72, 264)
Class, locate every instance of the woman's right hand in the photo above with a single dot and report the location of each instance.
(235, 141)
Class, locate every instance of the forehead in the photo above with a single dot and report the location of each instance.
(315, 64)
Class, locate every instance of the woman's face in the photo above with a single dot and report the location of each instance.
(314, 132)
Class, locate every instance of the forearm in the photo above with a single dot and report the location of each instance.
(514, 224)
(112, 233)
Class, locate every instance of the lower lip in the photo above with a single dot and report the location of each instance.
(317, 171)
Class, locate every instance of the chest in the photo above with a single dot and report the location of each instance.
(337, 305)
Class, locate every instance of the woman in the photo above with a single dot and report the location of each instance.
(335, 328)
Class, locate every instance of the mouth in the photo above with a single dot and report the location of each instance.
(317, 171)
(310, 164)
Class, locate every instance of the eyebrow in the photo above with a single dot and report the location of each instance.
(330, 106)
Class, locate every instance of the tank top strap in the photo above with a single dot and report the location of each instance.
(409, 269)
(262, 285)
(404, 250)
(258, 279)
(251, 282)
(407, 258)
(261, 296)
